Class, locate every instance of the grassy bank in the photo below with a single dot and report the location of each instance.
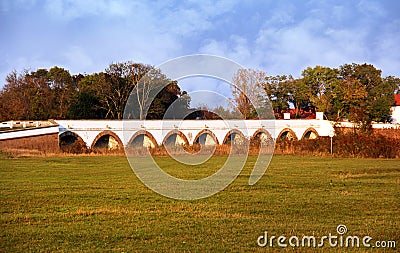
(87, 203)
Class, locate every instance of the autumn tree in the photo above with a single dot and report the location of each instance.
(321, 83)
(86, 104)
(37, 94)
(27, 96)
(278, 92)
(374, 94)
(64, 88)
(285, 92)
(247, 91)
(40, 95)
(169, 96)
(349, 100)
(299, 95)
(225, 113)
(107, 94)
(179, 108)
(118, 81)
(356, 92)
(145, 93)
(13, 102)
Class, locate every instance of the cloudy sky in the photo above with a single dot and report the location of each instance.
(279, 37)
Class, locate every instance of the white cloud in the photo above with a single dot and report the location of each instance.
(212, 8)
(283, 14)
(236, 48)
(7, 5)
(186, 22)
(387, 53)
(371, 8)
(77, 57)
(211, 46)
(68, 10)
(278, 37)
(206, 91)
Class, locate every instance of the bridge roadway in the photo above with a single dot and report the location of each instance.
(112, 133)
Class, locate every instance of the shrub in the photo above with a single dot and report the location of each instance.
(76, 147)
(347, 143)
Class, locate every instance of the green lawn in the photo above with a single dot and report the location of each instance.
(96, 203)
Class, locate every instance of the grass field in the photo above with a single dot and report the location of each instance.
(96, 203)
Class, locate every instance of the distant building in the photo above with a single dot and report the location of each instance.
(396, 110)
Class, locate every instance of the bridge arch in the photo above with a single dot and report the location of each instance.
(287, 134)
(107, 140)
(261, 135)
(236, 135)
(175, 138)
(206, 137)
(142, 138)
(310, 133)
(71, 142)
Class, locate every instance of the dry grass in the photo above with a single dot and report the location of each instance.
(81, 203)
(349, 142)
(21, 153)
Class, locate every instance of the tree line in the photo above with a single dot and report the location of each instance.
(55, 93)
(356, 92)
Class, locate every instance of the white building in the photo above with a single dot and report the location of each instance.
(396, 110)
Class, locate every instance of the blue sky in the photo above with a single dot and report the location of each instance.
(278, 37)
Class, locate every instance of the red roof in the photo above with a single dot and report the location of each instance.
(397, 99)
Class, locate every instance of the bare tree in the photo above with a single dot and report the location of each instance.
(248, 91)
(121, 79)
(146, 90)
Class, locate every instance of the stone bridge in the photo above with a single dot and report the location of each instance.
(150, 133)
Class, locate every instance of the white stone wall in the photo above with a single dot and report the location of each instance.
(88, 130)
(396, 114)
